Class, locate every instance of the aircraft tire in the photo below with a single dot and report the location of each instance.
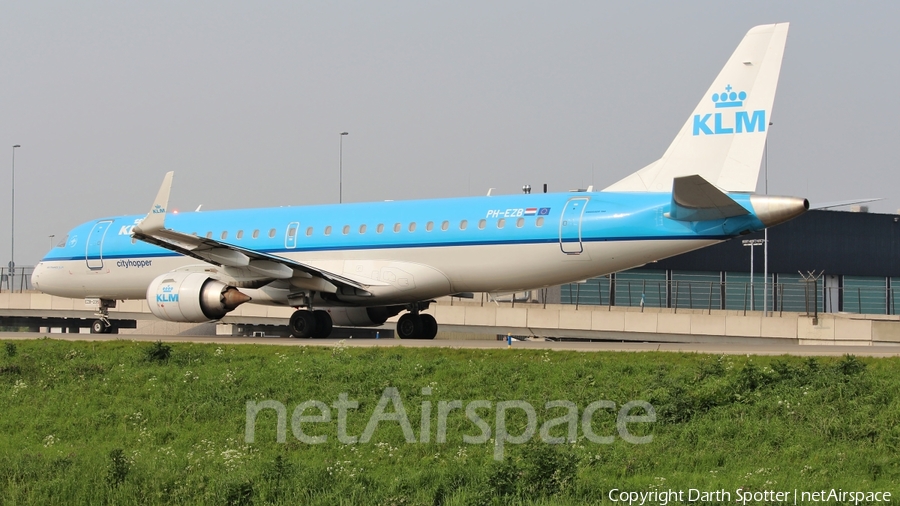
(429, 326)
(409, 326)
(99, 327)
(302, 324)
(324, 324)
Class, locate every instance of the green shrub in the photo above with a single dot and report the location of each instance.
(159, 352)
(239, 494)
(118, 468)
(850, 366)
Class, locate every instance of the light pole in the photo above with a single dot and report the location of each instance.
(341, 174)
(12, 228)
(766, 235)
(752, 243)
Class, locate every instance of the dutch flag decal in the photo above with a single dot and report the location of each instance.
(531, 211)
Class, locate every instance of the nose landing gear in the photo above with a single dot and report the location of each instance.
(102, 325)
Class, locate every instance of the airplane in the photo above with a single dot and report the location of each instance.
(359, 264)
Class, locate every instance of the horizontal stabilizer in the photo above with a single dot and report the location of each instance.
(695, 199)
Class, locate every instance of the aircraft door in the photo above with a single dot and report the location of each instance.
(93, 254)
(570, 226)
(290, 235)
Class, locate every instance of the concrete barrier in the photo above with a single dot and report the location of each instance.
(611, 321)
(784, 327)
(542, 318)
(486, 316)
(671, 323)
(575, 320)
(512, 317)
(640, 322)
(708, 325)
(885, 332)
(523, 319)
(743, 326)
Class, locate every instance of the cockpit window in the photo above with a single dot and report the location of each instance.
(62, 242)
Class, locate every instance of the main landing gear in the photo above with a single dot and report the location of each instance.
(102, 325)
(305, 324)
(417, 326)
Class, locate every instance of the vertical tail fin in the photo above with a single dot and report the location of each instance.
(724, 138)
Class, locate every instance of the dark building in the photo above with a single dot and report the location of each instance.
(853, 258)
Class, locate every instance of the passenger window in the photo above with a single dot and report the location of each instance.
(481, 224)
(346, 229)
(256, 233)
(501, 222)
(309, 232)
(362, 229)
(445, 225)
(133, 240)
(463, 224)
(429, 226)
(328, 230)
(540, 221)
(380, 228)
(272, 233)
(224, 235)
(240, 234)
(396, 227)
(412, 227)
(292, 231)
(520, 222)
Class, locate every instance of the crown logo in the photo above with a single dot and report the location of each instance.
(729, 98)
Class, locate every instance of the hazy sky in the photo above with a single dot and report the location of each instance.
(246, 100)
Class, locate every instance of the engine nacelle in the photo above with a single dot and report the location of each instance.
(361, 316)
(191, 297)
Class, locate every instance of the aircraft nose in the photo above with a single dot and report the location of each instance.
(775, 210)
(36, 275)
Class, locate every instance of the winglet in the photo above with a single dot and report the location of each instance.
(156, 218)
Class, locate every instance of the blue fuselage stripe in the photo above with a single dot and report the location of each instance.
(592, 217)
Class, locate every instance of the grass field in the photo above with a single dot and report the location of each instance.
(132, 423)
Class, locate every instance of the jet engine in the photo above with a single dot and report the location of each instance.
(192, 297)
(362, 316)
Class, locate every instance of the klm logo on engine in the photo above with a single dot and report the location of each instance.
(167, 295)
(730, 122)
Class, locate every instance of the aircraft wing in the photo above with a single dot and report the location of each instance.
(152, 230)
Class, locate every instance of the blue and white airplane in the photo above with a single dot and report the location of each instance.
(360, 264)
